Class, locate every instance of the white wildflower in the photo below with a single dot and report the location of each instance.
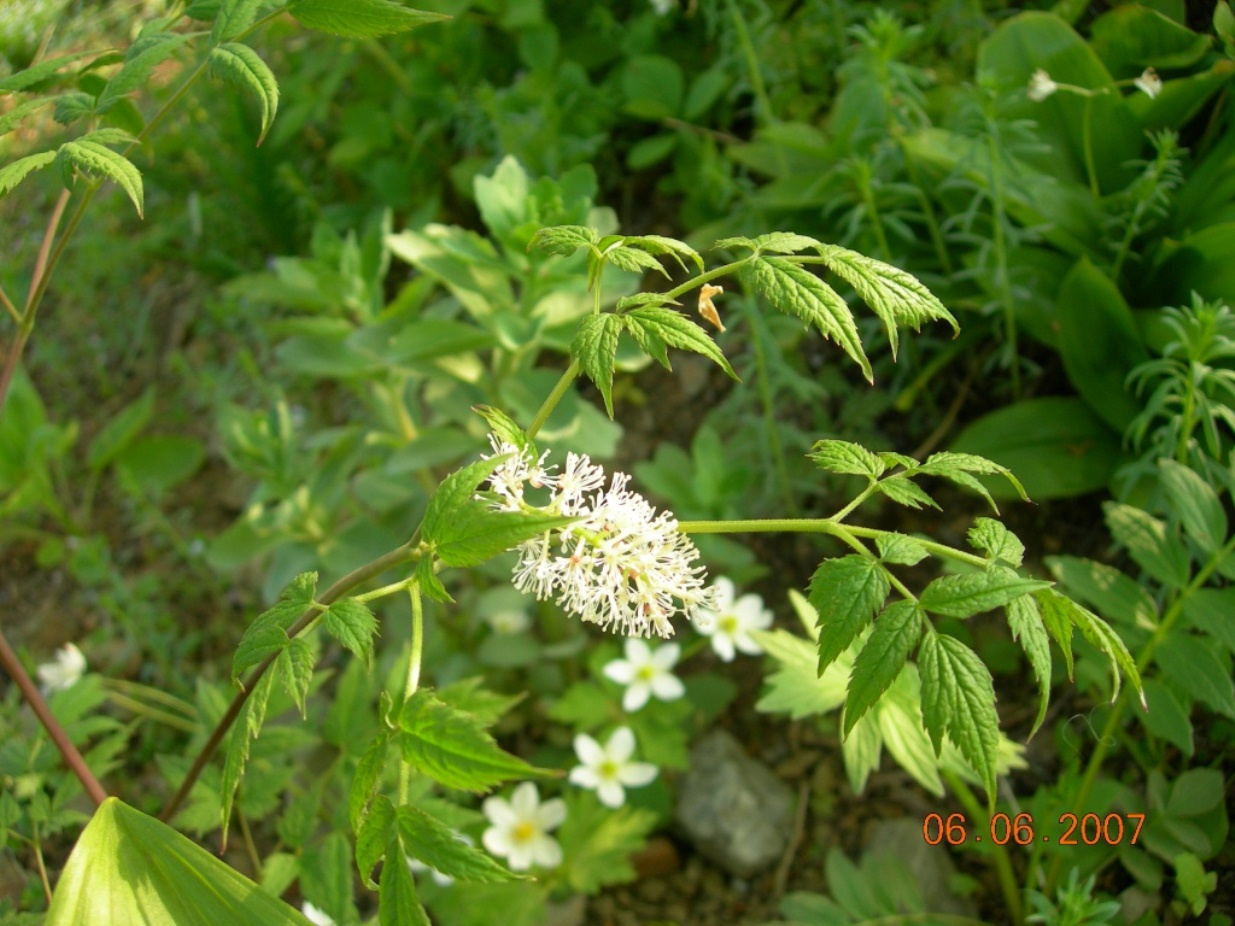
(607, 769)
(1041, 86)
(621, 565)
(1149, 83)
(646, 672)
(315, 916)
(520, 830)
(63, 672)
(732, 620)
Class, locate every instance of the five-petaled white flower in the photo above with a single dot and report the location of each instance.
(65, 671)
(315, 916)
(1041, 86)
(1149, 83)
(620, 564)
(732, 621)
(607, 769)
(520, 830)
(646, 672)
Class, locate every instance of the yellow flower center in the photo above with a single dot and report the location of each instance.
(728, 623)
(524, 831)
(646, 673)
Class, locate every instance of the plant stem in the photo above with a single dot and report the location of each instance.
(1087, 143)
(1003, 862)
(405, 553)
(72, 758)
(550, 403)
(414, 658)
(751, 57)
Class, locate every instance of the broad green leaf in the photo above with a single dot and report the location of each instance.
(295, 667)
(267, 634)
(1196, 504)
(880, 661)
(597, 843)
(1193, 666)
(1028, 629)
(13, 117)
(958, 698)
(847, 458)
(360, 19)
(973, 593)
(900, 549)
(373, 836)
(1114, 595)
(1165, 717)
(626, 303)
(897, 297)
(398, 904)
(240, 65)
(120, 431)
(327, 880)
(898, 719)
(352, 623)
(1099, 633)
(157, 463)
(233, 18)
(796, 688)
(999, 543)
(470, 695)
(452, 748)
(40, 72)
(845, 592)
(367, 779)
(15, 173)
(595, 348)
(135, 71)
(1155, 550)
(863, 747)
(91, 157)
(248, 725)
(904, 491)
(564, 240)
(477, 533)
(653, 327)
(438, 846)
(455, 491)
(1212, 610)
(180, 883)
(796, 291)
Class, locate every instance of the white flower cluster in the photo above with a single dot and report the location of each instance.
(621, 565)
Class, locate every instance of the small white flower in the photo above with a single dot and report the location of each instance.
(646, 672)
(1149, 83)
(315, 916)
(520, 830)
(607, 769)
(732, 621)
(1041, 86)
(65, 671)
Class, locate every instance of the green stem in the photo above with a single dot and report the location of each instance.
(550, 403)
(751, 57)
(414, 658)
(1003, 861)
(709, 276)
(1091, 167)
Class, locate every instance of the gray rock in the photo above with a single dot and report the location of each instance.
(931, 866)
(732, 808)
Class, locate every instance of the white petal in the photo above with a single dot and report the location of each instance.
(551, 814)
(525, 800)
(751, 613)
(497, 840)
(723, 647)
(620, 671)
(499, 811)
(637, 695)
(621, 745)
(585, 777)
(667, 656)
(743, 642)
(637, 774)
(611, 794)
(725, 591)
(546, 852)
(520, 856)
(637, 652)
(668, 687)
(588, 750)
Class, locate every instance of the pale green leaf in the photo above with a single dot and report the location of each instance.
(73, 106)
(633, 259)
(795, 686)
(1195, 503)
(476, 533)
(452, 748)
(359, 19)
(784, 243)
(999, 543)
(1099, 633)
(958, 698)
(470, 695)
(898, 719)
(38, 73)
(233, 18)
(135, 72)
(428, 582)
(1114, 595)
(441, 848)
(15, 173)
(845, 592)
(904, 491)
(597, 843)
(505, 427)
(1056, 618)
(180, 883)
(267, 634)
(847, 458)
(862, 748)
(13, 117)
(659, 244)
(352, 623)
(626, 303)
(295, 667)
(881, 659)
(972, 593)
(89, 156)
(897, 297)
(1026, 623)
(240, 65)
(900, 549)
(595, 348)
(653, 327)
(1154, 549)
(796, 291)
(961, 469)
(564, 240)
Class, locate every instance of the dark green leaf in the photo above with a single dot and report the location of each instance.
(900, 549)
(233, 18)
(897, 631)
(999, 543)
(1097, 632)
(1192, 665)
(352, 623)
(966, 595)
(73, 106)
(295, 667)
(136, 70)
(247, 727)
(904, 491)
(441, 848)
(360, 19)
(1155, 550)
(958, 698)
(398, 904)
(845, 592)
(1195, 503)
(375, 829)
(428, 582)
(595, 348)
(653, 327)
(38, 73)
(1027, 627)
(477, 533)
(267, 634)
(456, 490)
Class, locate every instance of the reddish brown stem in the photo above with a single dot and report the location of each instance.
(72, 758)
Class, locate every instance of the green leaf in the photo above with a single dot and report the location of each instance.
(181, 884)
(999, 543)
(900, 549)
(1099, 633)
(367, 779)
(1056, 617)
(240, 65)
(595, 348)
(564, 240)
(1115, 596)
(455, 491)
(845, 592)
(597, 843)
(961, 467)
(38, 73)
(772, 243)
(632, 259)
(505, 427)
(880, 661)
(1195, 503)
(1165, 717)
(972, 593)
(469, 695)
(233, 18)
(795, 687)
(352, 623)
(359, 19)
(1193, 666)
(295, 667)
(156, 463)
(1157, 552)
(659, 244)
(653, 327)
(73, 106)
(373, 836)
(1025, 620)
(477, 533)
(267, 634)
(904, 491)
(1210, 610)
(13, 117)
(15, 173)
(135, 72)
(796, 291)
(440, 847)
(248, 726)
(897, 297)
(428, 582)
(398, 904)
(846, 458)
(958, 698)
(452, 748)
(89, 156)
(120, 431)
